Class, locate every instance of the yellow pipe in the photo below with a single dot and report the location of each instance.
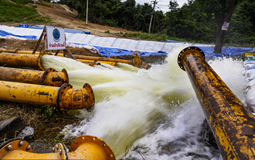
(94, 62)
(75, 56)
(3, 50)
(63, 97)
(48, 77)
(232, 124)
(23, 60)
(90, 60)
(102, 59)
(86, 148)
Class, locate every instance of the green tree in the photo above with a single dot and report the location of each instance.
(242, 28)
(173, 5)
(221, 11)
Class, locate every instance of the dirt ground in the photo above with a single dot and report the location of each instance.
(47, 121)
(61, 16)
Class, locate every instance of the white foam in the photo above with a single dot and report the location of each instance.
(146, 110)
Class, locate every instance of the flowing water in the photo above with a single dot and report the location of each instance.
(146, 114)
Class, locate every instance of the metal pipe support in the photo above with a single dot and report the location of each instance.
(64, 97)
(232, 124)
(48, 77)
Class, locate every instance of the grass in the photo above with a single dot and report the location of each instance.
(152, 37)
(22, 1)
(44, 4)
(46, 120)
(17, 12)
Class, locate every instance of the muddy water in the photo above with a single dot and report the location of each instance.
(146, 114)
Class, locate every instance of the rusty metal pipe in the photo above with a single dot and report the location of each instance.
(90, 60)
(232, 124)
(63, 97)
(84, 147)
(94, 62)
(48, 77)
(75, 56)
(102, 59)
(21, 60)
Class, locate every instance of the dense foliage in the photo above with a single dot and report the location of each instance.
(198, 21)
(242, 28)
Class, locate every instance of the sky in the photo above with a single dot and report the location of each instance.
(162, 4)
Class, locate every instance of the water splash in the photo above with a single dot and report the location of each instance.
(146, 110)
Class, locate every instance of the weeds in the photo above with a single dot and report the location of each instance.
(11, 12)
(44, 4)
(46, 120)
(22, 1)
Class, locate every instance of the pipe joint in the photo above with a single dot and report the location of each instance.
(69, 98)
(52, 78)
(95, 143)
(83, 147)
(61, 149)
(12, 145)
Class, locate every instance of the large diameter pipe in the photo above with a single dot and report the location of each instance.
(232, 124)
(48, 77)
(63, 97)
(75, 56)
(84, 148)
(89, 60)
(24, 60)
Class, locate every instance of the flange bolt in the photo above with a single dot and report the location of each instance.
(9, 147)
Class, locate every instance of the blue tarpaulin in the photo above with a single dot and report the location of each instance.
(226, 51)
(108, 52)
(66, 29)
(3, 33)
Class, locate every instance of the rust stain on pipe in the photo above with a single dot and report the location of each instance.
(48, 77)
(90, 60)
(232, 124)
(21, 60)
(64, 97)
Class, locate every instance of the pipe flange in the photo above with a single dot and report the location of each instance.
(61, 149)
(188, 50)
(61, 92)
(39, 60)
(136, 52)
(45, 73)
(92, 139)
(66, 74)
(16, 51)
(89, 89)
(14, 144)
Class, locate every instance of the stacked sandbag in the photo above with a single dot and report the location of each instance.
(249, 73)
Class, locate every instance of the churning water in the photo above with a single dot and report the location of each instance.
(146, 114)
